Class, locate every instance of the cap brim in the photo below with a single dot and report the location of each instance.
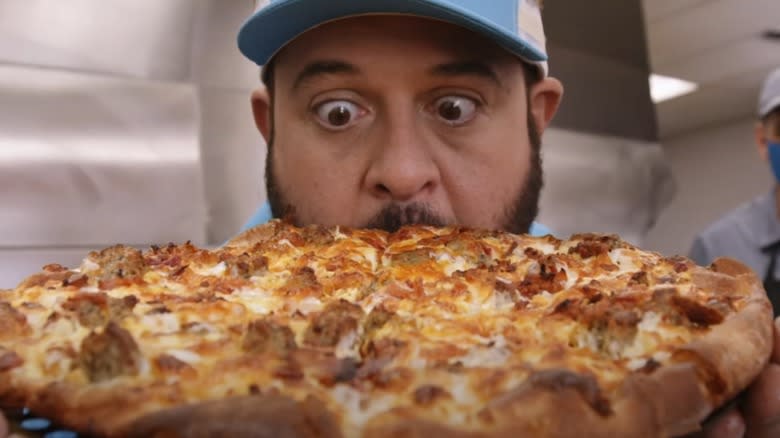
(273, 27)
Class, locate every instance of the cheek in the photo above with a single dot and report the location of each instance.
(316, 181)
(485, 185)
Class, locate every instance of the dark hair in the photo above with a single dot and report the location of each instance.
(772, 121)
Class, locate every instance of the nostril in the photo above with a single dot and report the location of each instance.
(381, 188)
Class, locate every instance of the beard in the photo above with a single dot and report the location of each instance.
(518, 215)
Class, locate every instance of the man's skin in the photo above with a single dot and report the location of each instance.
(393, 120)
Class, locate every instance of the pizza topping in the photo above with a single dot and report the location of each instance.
(109, 354)
(592, 246)
(9, 360)
(376, 319)
(13, 323)
(338, 371)
(289, 370)
(120, 261)
(76, 281)
(337, 320)
(167, 363)
(245, 265)
(697, 313)
(264, 336)
(90, 308)
(302, 281)
(427, 394)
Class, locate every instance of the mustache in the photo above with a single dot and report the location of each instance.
(394, 216)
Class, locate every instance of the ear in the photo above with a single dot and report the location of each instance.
(261, 109)
(761, 141)
(545, 97)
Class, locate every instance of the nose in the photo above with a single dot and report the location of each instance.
(402, 168)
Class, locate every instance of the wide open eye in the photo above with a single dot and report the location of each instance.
(337, 115)
(455, 110)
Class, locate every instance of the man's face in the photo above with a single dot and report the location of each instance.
(768, 131)
(384, 121)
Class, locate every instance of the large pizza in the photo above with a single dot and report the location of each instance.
(425, 332)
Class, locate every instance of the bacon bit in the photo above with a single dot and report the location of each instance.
(244, 265)
(593, 245)
(12, 322)
(502, 266)
(317, 235)
(697, 313)
(384, 348)
(532, 253)
(48, 279)
(172, 262)
(456, 367)
(336, 320)
(254, 389)
(427, 394)
(511, 249)
(303, 280)
(549, 279)
(10, 360)
(565, 307)
(54, 267)
(447, 306)
(650, 366)
(459, 290)
(679, 263)
(399, 291)
(76, 281)
(639, 278)
(376, 319)
(521, 305)
(179, 271)
(116, 283)
(289, 370)
(166, 363)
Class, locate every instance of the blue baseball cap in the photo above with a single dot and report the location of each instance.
(515, 25)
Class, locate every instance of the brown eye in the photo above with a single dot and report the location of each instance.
(455, 110)
(338, 114)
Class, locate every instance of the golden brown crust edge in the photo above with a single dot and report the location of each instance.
(99, 411)
(740, 347)
(256, 416)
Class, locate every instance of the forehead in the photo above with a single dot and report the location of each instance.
(372, 37)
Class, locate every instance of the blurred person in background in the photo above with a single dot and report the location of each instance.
(751, 233)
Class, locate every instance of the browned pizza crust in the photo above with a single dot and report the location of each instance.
(259, 416)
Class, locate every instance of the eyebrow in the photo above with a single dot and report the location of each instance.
(323, 68)
(467, 68)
